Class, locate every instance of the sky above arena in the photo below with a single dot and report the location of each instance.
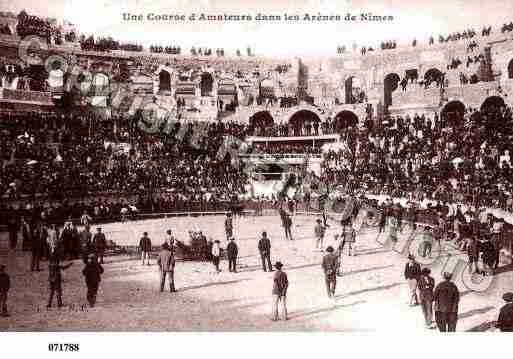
(412, 19)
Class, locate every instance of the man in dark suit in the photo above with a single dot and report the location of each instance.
(38, 238)
(280, 286)
(505, 320)
(232, 250)
(100, 244)
(412, 273)
(330, 266)
(446, 298)
(426, 286)
(166, 265)
(264, 247)
(287, 225)
(228, 226)
(55, 279)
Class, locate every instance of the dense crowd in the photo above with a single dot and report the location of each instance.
(60, 156)
(172, 50)
(103, 44)
(461, 158)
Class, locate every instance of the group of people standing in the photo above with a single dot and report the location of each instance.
(443, 299)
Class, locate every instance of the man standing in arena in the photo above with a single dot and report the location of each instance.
(412, 273)
(55, 279)
(280, 286)
(319, 232)
(166, 265)
(446, 298)
(170, 239)
(86, 243)
(38, 239)
(350, 240)
(92, 273)
(232, 250)
(264, 247)
(329, 266)
(228, 226)
(505, 319)
(100, 244)
(426, 286)
(287, 225)
(145, 248)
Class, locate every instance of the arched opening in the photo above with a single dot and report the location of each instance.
(345, 119)
(206, 84)
(492, 103)
(261, 122)
(510, 69)
(302, 122)
(452, 114)
(433, 75)
(164, 81)
(391, 83)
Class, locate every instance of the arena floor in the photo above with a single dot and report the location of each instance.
(371, 296)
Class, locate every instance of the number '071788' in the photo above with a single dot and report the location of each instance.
(58, 347)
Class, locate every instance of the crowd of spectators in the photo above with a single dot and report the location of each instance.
(389, 45)
(284, 149)
(104, 44)
(172, 50)
(17, 75)
(61, 156)
(461, 158)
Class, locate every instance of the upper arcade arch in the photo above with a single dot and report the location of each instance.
(345, 119)
(302, 122)
(452, 113)
(164, 80)
(492, 102)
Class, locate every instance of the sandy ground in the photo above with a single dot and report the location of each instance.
(371, 296)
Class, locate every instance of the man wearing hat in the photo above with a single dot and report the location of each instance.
(280, 285)
(427, 242)
(287, 226)
(166, 265)
(92, 273)
(319, 231)
(228, 226)
(264, 247)
(505, 320)
(145, 248)
(5, 285)
(216, 254)
(426, 286)
(446, 298)
(411, 274)
(330, 266)
(232, 250)
(100, 244)
(55, 279)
